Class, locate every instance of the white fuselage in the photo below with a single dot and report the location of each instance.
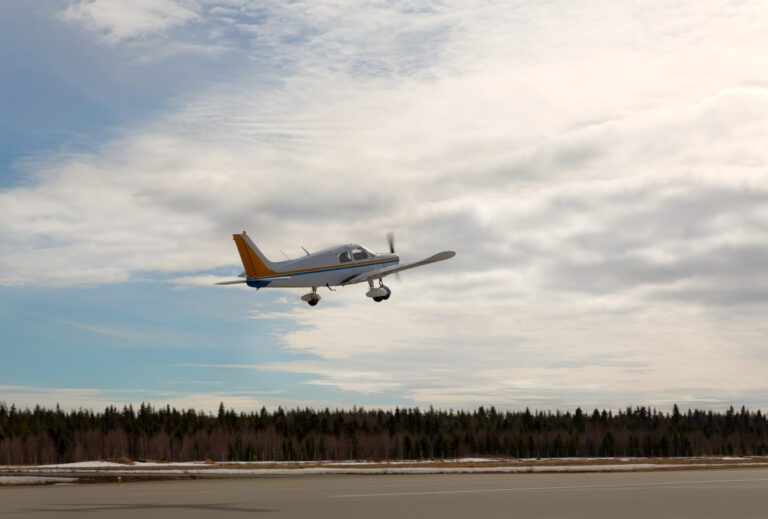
(328, 267)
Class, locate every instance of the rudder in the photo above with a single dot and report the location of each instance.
(255, 263)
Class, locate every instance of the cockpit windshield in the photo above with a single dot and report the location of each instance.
(360, 253)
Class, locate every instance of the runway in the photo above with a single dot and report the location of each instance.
(695, 493)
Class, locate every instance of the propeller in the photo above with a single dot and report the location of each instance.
(391, 243)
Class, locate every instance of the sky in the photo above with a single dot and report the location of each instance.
(599, 167)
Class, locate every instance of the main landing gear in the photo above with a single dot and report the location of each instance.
(312, 298)
(379, 293)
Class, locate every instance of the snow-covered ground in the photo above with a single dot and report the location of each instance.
(201, 469)
(148, 464)
(79, 465)
(447, 466)
(34, 480)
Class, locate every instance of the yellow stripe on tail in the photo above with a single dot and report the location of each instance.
(253, 264)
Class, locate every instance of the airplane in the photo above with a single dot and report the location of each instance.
(332, 267)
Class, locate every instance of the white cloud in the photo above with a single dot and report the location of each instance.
(97, 399)
(68, 397)
(544, 350)
(117, 21)
(599, 167)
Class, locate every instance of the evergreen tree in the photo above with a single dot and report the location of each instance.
(43, 435)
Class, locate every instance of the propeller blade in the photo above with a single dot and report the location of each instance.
(391, 242)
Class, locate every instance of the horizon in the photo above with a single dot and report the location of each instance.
(358, 408)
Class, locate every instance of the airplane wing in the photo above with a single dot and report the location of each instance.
(386, 271)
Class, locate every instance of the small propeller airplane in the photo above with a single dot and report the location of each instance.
(335, 266)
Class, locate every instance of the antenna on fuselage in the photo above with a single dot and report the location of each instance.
(305, 250)
(284, 254)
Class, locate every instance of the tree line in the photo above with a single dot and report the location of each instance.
(45, 436)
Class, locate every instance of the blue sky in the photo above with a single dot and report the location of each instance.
(63, 93)
(600, 168)
(143, 341)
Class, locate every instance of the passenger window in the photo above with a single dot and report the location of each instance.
(359, 254)
(344, 257)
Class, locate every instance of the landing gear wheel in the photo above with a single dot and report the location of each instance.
(312, 298)
(378, 294)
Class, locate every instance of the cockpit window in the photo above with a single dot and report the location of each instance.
(359, 253)
(344, 257)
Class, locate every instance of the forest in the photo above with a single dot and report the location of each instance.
(46, 436)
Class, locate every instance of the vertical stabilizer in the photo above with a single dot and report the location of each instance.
(255, 263)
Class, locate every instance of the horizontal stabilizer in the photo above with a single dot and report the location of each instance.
(234, 282)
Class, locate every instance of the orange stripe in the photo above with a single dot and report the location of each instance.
(301, 271)
(254, 267)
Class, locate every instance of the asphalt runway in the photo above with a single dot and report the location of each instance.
(699, 493)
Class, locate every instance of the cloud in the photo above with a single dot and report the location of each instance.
(599, 168)
(539, 352)
(97, 399)
(128, 335)
(69, 397)
(664, 237)
(117, 21)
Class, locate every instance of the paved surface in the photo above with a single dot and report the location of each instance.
(700, 494)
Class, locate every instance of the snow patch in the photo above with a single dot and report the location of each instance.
(175, 464)
(402, 470)
(33, 480)
(85, 465)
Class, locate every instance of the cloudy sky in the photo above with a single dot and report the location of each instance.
(600, 167)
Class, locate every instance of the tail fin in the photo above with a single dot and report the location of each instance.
(255, 263)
